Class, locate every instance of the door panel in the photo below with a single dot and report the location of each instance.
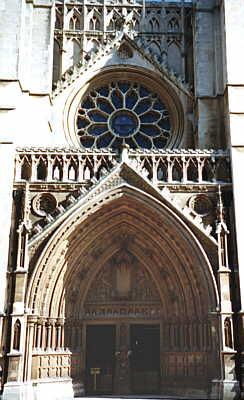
(100, 351)
(145, 358)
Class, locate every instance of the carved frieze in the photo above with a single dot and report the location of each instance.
(115, 311)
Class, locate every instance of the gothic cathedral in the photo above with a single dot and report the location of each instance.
(121, 211)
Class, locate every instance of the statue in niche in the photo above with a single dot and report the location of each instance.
(228, 334)
(123, 275)
(123, 280)
(17, 331)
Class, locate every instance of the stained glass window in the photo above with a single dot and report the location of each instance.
(123, 112)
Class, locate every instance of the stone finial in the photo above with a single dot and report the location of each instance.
(26, 222)
(124, 152)
(221, 226)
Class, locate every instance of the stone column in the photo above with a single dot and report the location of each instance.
(59, 334)
(49, 168)
(53, 337)
(122, 354)
(62, 333)
(44, 333)
(38, 335)
(49, 335)
(31, 320)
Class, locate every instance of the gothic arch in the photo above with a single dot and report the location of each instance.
(173, 25)
(174, 57)
(111, 22)
(74, 22)
(154, 25)
(152, 231)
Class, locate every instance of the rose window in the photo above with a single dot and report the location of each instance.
(123, 112)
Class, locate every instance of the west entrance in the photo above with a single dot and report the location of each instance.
(123, 359)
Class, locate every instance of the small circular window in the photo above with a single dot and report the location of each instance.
(123, 112)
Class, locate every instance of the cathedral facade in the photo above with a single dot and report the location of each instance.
(121, 156)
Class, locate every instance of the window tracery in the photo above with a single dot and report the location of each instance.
(123, 113)
(154, 25)
(74, 23)
(94, 24)
(173, 25)
(112, 23)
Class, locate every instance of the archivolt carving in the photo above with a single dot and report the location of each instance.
(176, 260)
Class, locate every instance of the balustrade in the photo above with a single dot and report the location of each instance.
(161, 167)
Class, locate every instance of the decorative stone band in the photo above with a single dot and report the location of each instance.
(120, 311)
(62, 165)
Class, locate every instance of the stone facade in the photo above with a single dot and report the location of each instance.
(121, 198)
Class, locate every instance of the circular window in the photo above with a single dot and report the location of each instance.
(43, 204)
(123, 123)
(123, 112)
(200, 205)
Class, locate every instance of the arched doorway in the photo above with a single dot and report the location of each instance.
(128, 280)
(122, 315)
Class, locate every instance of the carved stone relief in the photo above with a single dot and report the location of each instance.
(123, 288)
(200, 205)
(43, 204)
(122, 278)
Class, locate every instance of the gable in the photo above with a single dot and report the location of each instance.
(111, 184)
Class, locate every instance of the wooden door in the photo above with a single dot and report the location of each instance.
(145, 358)
(100, 355)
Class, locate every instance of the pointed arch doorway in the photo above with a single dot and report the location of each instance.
(122, 329)
(133, 264)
